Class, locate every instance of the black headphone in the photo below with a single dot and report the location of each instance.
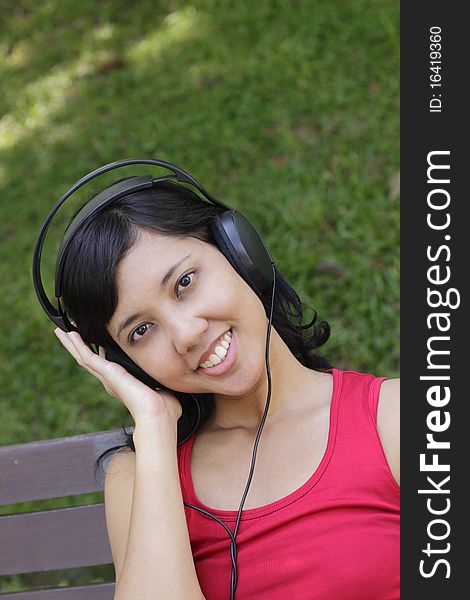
(235, 237)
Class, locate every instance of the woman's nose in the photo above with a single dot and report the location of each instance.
(188, 333)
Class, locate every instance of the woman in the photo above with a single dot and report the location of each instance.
(321, 516)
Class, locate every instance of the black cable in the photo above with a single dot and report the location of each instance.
(233, 545)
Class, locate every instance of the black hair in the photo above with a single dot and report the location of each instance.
(89, 287)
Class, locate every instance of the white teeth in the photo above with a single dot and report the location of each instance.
(220, 352)
(215, 360)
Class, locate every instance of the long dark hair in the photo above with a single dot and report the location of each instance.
(90, 292)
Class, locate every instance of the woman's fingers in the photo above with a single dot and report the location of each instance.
(67, 343)
(85, 357)
(138, 398)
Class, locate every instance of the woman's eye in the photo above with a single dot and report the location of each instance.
(184, 281)
(139, 332)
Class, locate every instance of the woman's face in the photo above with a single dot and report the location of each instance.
(177, 296)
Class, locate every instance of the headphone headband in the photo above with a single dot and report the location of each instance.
(109, 194)
(236, 237)
(114, 192)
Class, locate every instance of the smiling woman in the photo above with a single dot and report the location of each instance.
(183, 326)
(198, 328)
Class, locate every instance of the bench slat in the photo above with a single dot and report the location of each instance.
(54, 468)
(54, 539)
(102, 591)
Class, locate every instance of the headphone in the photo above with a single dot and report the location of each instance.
(235, 237)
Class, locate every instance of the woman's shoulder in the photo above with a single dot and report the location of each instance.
(388, 423)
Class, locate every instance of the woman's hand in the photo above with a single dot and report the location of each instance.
(142, 402)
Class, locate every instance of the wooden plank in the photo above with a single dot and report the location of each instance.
(54, 539)
(102, 591)
(54, 468)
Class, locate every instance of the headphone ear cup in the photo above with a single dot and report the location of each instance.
(115, 354)
(244, 248)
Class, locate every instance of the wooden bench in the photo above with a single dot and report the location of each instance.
(61, 538)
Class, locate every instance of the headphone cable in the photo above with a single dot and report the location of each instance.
(233, 545)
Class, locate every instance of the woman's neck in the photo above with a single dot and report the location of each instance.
(290, 380)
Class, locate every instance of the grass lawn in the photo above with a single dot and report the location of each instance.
(286, 110)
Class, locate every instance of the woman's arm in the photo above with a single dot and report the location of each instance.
(145, 517)
(388, 424)
(156, 560)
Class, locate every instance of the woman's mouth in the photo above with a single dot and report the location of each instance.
(223, 357)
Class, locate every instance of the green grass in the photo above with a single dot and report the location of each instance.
(286, 110)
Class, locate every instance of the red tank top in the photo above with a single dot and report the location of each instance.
(334, 538)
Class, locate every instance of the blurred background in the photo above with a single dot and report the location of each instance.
(286, 110)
